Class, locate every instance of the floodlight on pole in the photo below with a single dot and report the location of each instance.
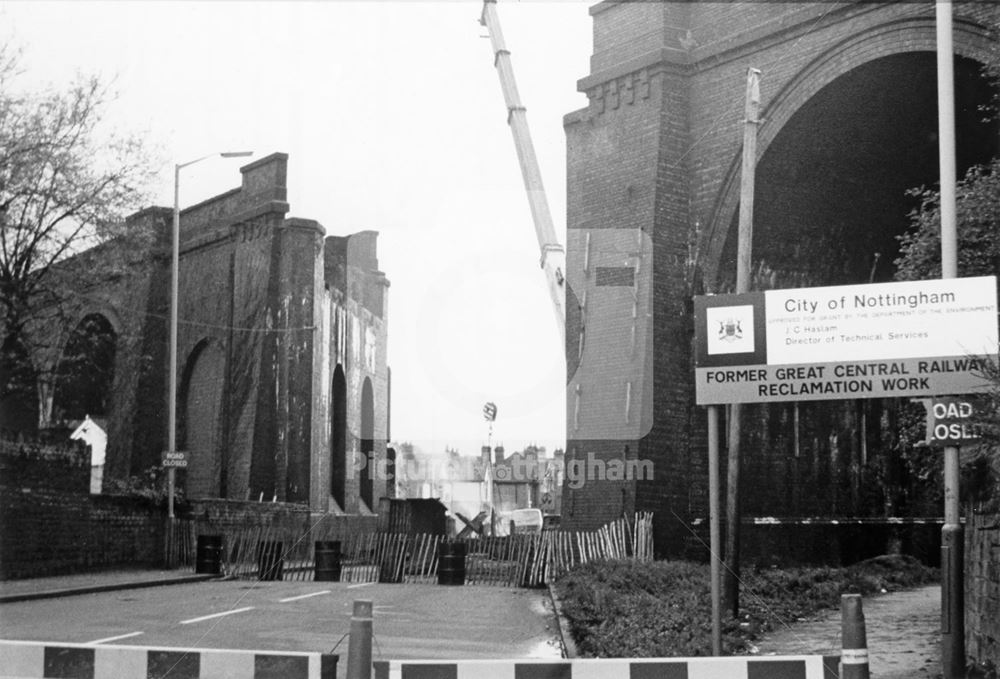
(174, 274)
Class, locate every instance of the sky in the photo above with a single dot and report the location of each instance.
(392, 115)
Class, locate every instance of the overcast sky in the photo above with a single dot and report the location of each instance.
(393, 119)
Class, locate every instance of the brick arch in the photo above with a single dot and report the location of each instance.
(367, 485)
(62, 328)
(338, 437)
(902, 36)
(200, 419)
(109, 312)
(85, 369)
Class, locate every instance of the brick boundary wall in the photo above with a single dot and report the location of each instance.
(50, 524)
(982, 589)
(52, 533)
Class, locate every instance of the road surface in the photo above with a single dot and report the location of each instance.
(411, 621)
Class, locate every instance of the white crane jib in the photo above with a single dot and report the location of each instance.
(553, 256)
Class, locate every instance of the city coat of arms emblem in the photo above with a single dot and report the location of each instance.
(730, 330)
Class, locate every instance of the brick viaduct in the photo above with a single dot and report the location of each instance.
(283, 382)
(653, 167)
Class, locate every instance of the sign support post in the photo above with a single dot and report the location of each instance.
(952, 533)
(715, 556)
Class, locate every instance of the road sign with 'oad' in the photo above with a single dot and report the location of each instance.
(951, 421)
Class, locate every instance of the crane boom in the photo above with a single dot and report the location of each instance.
(553, 256)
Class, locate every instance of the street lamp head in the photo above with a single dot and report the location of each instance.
(236, 154)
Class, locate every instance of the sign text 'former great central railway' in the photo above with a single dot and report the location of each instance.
(913, 338)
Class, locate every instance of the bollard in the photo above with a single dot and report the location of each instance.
(359, 644)
(854, 642)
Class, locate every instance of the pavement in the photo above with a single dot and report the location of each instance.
(30, 589)
(903, 633)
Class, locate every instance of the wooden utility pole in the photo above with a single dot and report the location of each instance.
(731, 588)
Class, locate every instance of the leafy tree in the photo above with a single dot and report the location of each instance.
(991, 69)
(977, 202)
(978, 233)
(150, 485)
(65, 185)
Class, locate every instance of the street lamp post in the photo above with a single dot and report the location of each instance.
(174, 298)
(952, 532)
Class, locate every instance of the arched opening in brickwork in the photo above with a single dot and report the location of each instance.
(831, 189)
(18, 389)
(831, 201)
(200, 425)
(338, 437)
(367, 442)
(86, 371)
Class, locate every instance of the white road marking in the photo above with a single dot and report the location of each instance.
(216, 615)
(120, 636)
(303, 596)
(360, 584)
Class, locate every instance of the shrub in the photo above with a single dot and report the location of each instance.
(663, 608)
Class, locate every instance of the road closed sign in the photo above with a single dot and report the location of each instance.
(951, 421)
(911, 338)
(177, 458)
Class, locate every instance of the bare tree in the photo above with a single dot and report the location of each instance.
(65, 186)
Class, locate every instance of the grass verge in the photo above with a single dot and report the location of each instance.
(620, 608)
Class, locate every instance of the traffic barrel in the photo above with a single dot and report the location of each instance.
(359, 643)
(854, 641)
(327, 562)
(208, 557)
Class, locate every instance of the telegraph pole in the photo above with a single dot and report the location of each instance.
(743, 264)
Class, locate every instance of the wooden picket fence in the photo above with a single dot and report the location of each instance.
(179, 539)
(519, 560)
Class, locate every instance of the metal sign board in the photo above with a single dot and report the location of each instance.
(177, 458)
(951, 421)
(912, 338)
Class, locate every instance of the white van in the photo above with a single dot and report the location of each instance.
(524, 520)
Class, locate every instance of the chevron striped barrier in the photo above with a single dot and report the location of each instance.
(739, 667)
(41, 660)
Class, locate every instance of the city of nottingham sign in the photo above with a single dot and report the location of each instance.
(912, 338)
